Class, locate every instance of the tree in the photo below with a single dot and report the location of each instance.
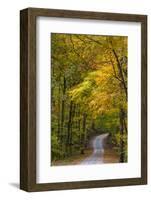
(89, 84)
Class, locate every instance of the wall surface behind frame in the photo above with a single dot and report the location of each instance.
(9, 99)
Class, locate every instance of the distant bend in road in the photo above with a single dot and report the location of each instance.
(98, 150)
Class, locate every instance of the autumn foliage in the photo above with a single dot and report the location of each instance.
(89, 92)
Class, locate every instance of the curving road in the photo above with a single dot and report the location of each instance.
(98, 150)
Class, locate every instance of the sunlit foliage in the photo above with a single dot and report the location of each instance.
(89, 92)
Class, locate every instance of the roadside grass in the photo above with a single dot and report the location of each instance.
(110, 156)
(74, 159)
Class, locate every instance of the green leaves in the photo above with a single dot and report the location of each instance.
(89, 72)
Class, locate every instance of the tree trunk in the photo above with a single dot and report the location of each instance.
(125, 125)
(62, 110)
(122, 154)
(69, 128)
(83, 134)
(93, 124)
(79, 127)
(59, 113)
(120, 72)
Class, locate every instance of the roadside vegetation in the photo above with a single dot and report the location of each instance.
(88, 94)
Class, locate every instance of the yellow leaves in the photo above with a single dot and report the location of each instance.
(100, 102)
(101, 89)
(100, 76)
(99, 92)
(80, 92)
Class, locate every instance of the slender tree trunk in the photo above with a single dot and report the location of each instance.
(69, 128)
(83, 134)
(59, 112)
(62, 114)
(93, 124)
(63, 105)
(125, 125)
(120, 72)
(79, 128)
(122, 154)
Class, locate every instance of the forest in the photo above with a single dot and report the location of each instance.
(88, 94)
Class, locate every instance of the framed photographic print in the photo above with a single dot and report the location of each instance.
(83, 93)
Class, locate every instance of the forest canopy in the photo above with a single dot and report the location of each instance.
(88, 92)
